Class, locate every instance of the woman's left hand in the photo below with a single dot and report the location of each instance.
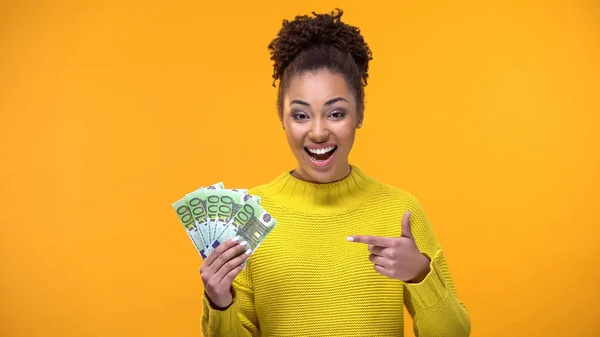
(398, 258)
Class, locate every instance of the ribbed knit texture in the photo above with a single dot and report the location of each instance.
(306, 280)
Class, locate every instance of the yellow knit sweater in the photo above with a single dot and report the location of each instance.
(306, 280)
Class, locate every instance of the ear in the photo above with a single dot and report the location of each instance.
(361, 118)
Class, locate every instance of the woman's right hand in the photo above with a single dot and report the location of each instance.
(220, 269)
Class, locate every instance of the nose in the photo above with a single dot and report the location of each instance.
(319, 132)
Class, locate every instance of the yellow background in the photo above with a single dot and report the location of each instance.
(486, 111)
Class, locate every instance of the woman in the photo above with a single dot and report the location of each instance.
(309, 278)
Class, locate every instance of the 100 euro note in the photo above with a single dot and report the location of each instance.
(210, 193)
(230, 201)
(197, 203)
(199, 211)
(211, 208)
(252, 223)
(220, 208)
(238, 199)
(212, 212)
(187, 220)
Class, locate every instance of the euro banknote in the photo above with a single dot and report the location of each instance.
(212, 215)
(187, 220)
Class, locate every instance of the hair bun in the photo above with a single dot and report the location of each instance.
(306, 32)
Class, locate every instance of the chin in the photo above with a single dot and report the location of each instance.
(324, 175)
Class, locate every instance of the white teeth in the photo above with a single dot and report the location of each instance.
(321, 151)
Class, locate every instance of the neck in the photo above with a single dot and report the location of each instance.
(302, 196)
(301, 174)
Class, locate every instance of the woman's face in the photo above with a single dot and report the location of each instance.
(320, 119)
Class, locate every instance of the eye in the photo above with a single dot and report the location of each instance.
(298, 116)
(337, 114)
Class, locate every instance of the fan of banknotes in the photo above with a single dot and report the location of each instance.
(211, 215)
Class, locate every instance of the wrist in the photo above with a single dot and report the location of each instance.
(220, 304)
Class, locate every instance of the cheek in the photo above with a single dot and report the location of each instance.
(294, 136)
(346, 136)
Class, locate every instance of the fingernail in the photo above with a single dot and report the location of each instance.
(349, 238)
(243, 243)
(235, 239)
(248, 252)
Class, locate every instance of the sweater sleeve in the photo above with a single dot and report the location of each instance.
(239, 319)
(433, 303)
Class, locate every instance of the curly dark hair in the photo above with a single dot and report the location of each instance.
(320, 42)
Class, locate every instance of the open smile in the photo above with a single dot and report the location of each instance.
(321, 156)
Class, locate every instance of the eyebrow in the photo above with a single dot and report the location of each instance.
(331, 101)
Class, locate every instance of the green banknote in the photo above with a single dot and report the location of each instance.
(213, 197)
(209, 216)
(205, 221)
(187, 220)
(253, 223)
(220, 208)
(230, 202)
(238, 197)
(196, 201)
(226, 204)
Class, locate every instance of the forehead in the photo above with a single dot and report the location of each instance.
(318, 86)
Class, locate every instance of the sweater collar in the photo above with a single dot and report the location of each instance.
(314, 198)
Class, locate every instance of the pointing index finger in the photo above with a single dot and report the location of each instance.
(372, 240)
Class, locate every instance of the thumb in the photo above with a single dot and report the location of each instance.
(406, 231)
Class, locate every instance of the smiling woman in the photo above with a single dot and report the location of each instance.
(306, 280)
